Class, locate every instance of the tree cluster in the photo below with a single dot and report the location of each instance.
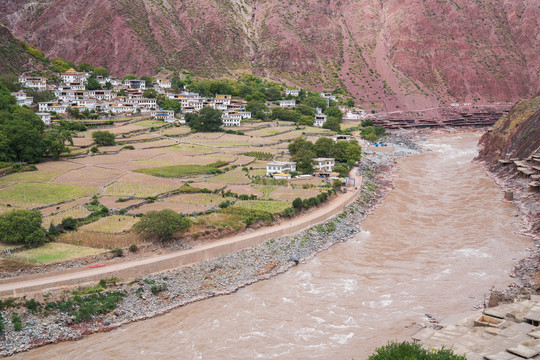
(303, 152)
(22, 227)
(208, 119)
(23, 137)
(164, 224)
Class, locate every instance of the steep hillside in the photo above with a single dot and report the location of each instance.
(515, 135)
(16, 57)
(396, 54)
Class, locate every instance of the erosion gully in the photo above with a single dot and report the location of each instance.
(437, 244)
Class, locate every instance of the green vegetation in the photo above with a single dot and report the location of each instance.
(163, 224)
(22, 227)
(83, 308)
(56, 252)
(412, 351)
(42, 193)
(208, 119)
(103, 138)
(183, 170)
(263, 205)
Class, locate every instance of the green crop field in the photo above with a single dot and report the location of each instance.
(31, 193)
(111, 224)
(76, 213)
(264, 205)
(180, 170)
(236, 176)
(28, 176)
(55, 252)
(150, 123)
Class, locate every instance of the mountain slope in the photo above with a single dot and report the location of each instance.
(410, 54)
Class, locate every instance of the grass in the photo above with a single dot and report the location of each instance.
(181, 170)
(111, 224)
(199, 199)
(28, 176)
(150, 123)
(263, 205)
(33, 193)
(194, 148)
(100, 241)
(76, 213)
(221, 221)
(55, 252)
(125, 189)
(174, 131)
(236, 176)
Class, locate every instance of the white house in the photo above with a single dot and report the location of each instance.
(320, 118)
(165, 115)
(46, 117)
(223, 99)
(292, 92)
(50, 106)
(337, 138)
(350, 116)
(324, 164)
(287, 103)
(22, 99)
(164, 84)
(135, 84)
(245, 114)
(454, 105)
(280, 167)
(328, 96)
(72, 76)
(38, 83)
(231, 119)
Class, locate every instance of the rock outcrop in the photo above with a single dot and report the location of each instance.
(389, 55)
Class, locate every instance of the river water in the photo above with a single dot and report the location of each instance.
(439, 241)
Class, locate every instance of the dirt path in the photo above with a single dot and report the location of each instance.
(132, 269)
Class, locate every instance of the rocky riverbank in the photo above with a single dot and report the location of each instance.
(159, 293)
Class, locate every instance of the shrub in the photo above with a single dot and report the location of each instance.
(163, 224)
(297, 204)
(133, 248)
(103, 138)
(243, 197)
(129, 147)
(225, 204)
(288, 212)
(407, 350)
(69, 223)
(117, 252)
(17, 321)
(94, 149)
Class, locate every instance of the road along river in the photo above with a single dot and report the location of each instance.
(438, 242)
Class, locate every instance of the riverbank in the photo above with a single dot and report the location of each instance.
(157, 294)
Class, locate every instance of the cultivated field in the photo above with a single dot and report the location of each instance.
(220, 169)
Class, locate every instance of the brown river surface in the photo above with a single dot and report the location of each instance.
(438, 242)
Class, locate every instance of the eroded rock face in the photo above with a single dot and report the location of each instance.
(396, 54)
(515, 135)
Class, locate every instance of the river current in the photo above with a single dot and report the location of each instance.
(438, 242)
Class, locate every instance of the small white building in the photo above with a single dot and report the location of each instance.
(324, 164)
(33, 82)
(135, 84)
(223, 99)
(350, 116)
(292, 92)
(337, 138)
(287, 103)
(45, 117)
(320, 118)
(22, 99)
(72, 76)
(164, 84)
(231, 119)
(245, 114)
(328, 96)
(165, 115)
(50, 106)
(280, 167)
(454, 105)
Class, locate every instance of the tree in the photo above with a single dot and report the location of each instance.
(151, 94)
(85, 67)
(304, 160)
(257, 95)
(148, 80)
(103, 138)
(349, 103)
(130, 77)
(93, 84)
(332, 123)
(208, 120)
(55, 143)
(324, 147)
(297, 204)
(300, 144)
(413, 351)
(335, 112)
(315, 101)
(273, 93)
(103, 72)
(284, 114)
(258, 109)
(163, 224)
(306, 110)
(347, 152)
(22, 227)
(306, 120)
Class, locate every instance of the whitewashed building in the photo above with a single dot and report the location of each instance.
(320, 118)
(45, 117)
(22, 99)
(51, 106)
(328, 96)
(33, 82)
(287, 103)
(165, 115)
(292, 92)
(280, 167)
(324, 164)
(164, 84)
(135, 84)
(231, 120)
(72, 76)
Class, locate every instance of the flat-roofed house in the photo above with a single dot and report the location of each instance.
(280, 167)
(324, 164)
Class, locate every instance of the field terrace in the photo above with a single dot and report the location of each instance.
(168, 169)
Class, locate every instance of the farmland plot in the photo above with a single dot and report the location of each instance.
(111, 224)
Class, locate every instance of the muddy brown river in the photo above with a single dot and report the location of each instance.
(439, 241)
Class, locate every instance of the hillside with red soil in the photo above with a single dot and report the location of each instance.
(390, 56)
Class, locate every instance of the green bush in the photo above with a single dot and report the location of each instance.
(407, 350)
(103, 138)
(163, 224)
(133, 248)
(297, 204)
(17, 321)
(22, 227)
(94, 149)
(69, 223)
(117, 252)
